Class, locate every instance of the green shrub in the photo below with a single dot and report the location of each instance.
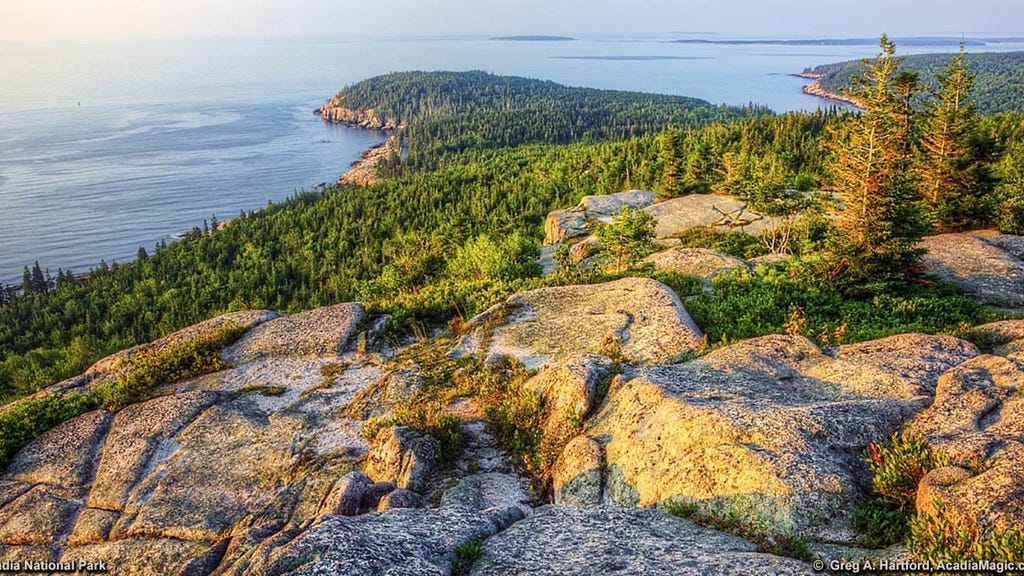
(27, 419)
(896, 468)
(466, 555)
(939, 539)
(736, 244)
(749, 304)
(777, 544)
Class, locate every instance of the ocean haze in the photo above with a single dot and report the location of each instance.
(142, 19)
(111, 146)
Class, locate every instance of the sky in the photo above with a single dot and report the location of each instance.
(142, 19)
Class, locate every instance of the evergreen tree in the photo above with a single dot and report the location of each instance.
(38, 281)
(629, 237)
(955, 183)
(671, 164)
(880, 223)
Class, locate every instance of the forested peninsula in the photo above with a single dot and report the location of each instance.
(997, 87)
(553, 330)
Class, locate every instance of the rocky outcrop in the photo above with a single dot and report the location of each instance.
(260, 468)
(979, 267)
(578, 479)
(403, 456)
(162, 486)
(569, 390)
(404, 542)
(333, 111)
(701, 262)
(639, 318)
(769, 430)
(111, 367)
(717, 211)
(316, 333)
(562, 542)
(562, 225)
(977, 421)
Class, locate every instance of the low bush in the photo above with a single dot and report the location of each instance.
(939, 539)
(29, 418)
(897, 468)
(777, 544)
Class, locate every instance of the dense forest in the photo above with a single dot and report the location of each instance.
(999, 86)
(456, 222)
(443, 112)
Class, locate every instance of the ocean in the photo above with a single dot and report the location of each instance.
(106, 147)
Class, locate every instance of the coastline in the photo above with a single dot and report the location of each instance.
(363, 172)
(814, 89)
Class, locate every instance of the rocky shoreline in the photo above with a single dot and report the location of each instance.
(815, 89)
(363, 172)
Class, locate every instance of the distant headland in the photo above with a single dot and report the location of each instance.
(534, 38)
(912, 41)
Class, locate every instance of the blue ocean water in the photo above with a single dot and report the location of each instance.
(106, 147)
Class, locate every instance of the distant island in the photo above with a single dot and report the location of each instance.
(913, 41)
(631, 58)
(997, 87)
(534, 38)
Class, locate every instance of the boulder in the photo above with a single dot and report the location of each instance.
(977, 421)
(640, 319)
(569, 390)
(992, 275)
(1005, 338)
(701, 262)
(317, 333)
(564, 542)
(577, 478)
(399, 498)
(488, 490)
(63, 456)
(348, 495)
(610, 204)
(561, 225)
(724, 213)
(769, 430)
(402, 456)
(401, 542)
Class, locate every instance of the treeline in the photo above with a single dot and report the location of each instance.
(998, 86)
(446, 112)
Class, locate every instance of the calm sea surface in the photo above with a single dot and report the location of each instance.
(108, 147)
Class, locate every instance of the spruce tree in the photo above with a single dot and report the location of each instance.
(955, 182)
(671, 164)
(880, 223)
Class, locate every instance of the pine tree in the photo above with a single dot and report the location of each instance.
(671, 164)
(870, 166)
(39, 283)
(955, 183)
(629, 237)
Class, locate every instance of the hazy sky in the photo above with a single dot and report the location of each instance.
(115, 19)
